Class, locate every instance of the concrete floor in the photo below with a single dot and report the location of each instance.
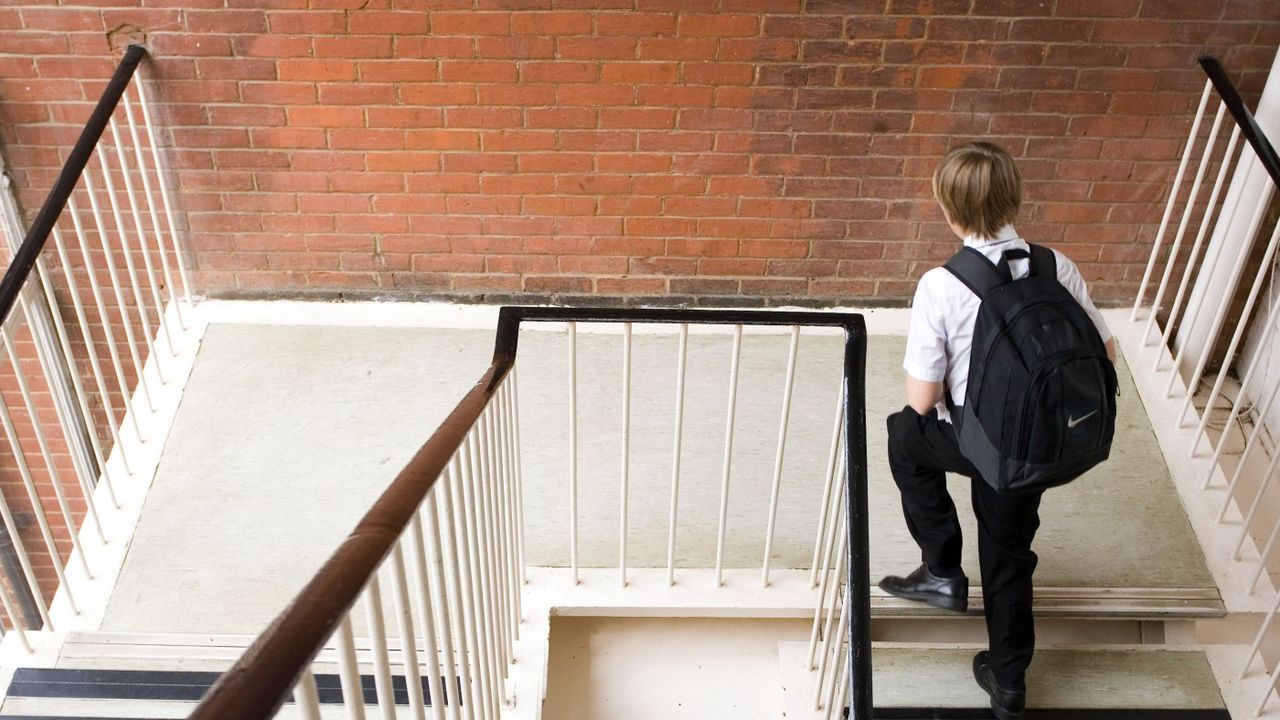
(287, 433)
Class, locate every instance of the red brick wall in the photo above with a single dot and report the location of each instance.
(707, 151)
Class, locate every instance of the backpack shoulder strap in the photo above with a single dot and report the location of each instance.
(977, 272)
(1043, 262)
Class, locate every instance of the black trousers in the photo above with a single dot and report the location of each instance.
(922, 449)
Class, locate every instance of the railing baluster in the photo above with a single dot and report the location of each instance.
(108, 333)
(1249, 446)
(15, 622)
(306, 696)
(626, 450)
(1260, 636)
(782, 447)
(1173, 199)
(834, 706)
(32, 492)
(1172, 260)
(408, 641)
(458, 611)
(492, 556)
(510, 578)
(502, 578)
(503, 418)
(74, 368)
(682, 351)
(728, 454)
(1259, 360)
(65, 425)
(1271, 688)
(121, 305)
(430, 647)
(475, 550)
(381, 658)
(1206, 221)
(517, 471)
(465, 541)
(24, 560)
(835, 710)
(164, 195)
(823, 515)
(127, 253)
(496, 596)
(349, 671)
(1224, 302)
(430, 512)
(82, 474)
(130, 195)
(1236, 338)
(573, 450)
(155, 226)
(825, 583)
(1253, 507)
(832, 631)
(1264, 557)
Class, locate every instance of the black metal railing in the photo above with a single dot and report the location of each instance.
(1244, 118)
(25, 259)
(34, 605)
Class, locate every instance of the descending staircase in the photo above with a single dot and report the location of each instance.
(1110, 650)
(912, 682)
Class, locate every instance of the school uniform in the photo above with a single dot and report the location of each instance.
(922, 449)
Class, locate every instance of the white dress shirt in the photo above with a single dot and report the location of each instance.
(944, 311)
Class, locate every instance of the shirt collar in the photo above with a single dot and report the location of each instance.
(1005, 234)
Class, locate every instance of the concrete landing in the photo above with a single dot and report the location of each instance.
(287, 433)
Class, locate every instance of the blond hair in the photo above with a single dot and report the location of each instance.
(979, 187)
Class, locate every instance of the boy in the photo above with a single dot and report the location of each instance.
(979, 189)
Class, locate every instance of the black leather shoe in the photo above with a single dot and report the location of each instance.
(1005, 704)
(946, 593)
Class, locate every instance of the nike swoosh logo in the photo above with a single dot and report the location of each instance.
(1074, 421)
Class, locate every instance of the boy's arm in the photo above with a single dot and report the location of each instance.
(926, 355)
(923, 395)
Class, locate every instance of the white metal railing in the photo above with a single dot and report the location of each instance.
(448, 538)
(766, 532)
(78, 360)
(829, 648)
(1207, 293)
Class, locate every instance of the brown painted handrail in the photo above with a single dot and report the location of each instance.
(265, 675)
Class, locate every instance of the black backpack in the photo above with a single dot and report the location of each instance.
(1040, 407)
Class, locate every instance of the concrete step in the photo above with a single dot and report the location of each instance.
(704, 668)
(1102, 683)
(54, 692)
